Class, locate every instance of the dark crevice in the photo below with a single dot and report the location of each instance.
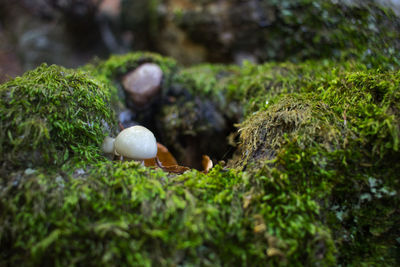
(196, 127)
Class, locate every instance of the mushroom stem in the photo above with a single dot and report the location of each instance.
(159, 164)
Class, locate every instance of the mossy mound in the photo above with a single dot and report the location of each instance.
(334, 29)
(314, 180)
(50, 114)
(124, 214)
(338, 141)
(188, 111)
(295, 116)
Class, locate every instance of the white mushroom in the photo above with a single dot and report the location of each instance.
(108, 145)
(136, 142)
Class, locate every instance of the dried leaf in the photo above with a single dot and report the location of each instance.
(171, 169)
(175, 169)
(206, 163)
(163, 155)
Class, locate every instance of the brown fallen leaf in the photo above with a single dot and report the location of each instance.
(163, 155)
(175, 169)
(207, 163)
(172, 169)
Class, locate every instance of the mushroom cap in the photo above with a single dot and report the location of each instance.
(108, 145)
(136, 142)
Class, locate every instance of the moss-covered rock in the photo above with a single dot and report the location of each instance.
(313, 181)
(300, 117)
(116, 66)
(50, 114)
(189, 109)
(337, 141)
(112, 70)
(124, 214)
(224, 31)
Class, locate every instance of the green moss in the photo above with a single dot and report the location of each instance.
(207, 79)
(240, 91)
(296, 30)
(118, 65)
(300, 117)
(368, 165)
(258, 85)
(314, 181)
(50, 114)
(370, 100)
(337, 142)
(122, 213)
(321, 29)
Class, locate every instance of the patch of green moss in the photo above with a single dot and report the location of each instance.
(240, 91)
(50, 114)
(211, 82)
(206, 79)
(296, 30)
(257, 86)
(337, 142)
(369, 165)
(295, 116)
(118, 65)
(331, 127)
(326, 29)
(314, 181)
(124, 214)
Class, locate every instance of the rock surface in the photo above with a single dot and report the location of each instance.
(143, 84)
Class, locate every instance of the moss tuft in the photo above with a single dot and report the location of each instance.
(123, 213)
(118, 65)
(50, 114)
(294, 116)
(337, 142)
(314, 181)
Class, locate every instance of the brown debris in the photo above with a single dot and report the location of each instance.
(206, 163)
(165, 161)
(164, 156)
(172, 169)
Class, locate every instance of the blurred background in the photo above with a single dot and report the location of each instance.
(73, 32)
